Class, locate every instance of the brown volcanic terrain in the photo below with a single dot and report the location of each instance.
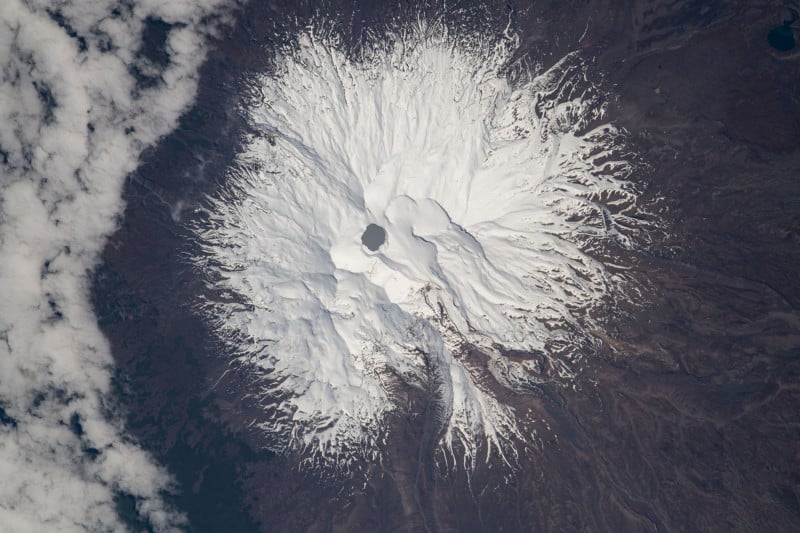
(689, 417)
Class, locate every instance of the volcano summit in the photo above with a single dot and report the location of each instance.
(397, 207)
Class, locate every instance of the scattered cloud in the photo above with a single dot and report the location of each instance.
(82, 93)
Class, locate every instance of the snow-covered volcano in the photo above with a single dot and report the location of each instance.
(488, 191)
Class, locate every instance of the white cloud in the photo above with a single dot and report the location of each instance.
(72, 126)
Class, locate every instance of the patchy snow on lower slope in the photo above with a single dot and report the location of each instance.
(486, 190)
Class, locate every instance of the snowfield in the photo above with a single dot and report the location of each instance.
(488, 191)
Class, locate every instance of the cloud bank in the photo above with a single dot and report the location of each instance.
(82, 93)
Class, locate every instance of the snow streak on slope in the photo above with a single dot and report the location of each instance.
(487, 191)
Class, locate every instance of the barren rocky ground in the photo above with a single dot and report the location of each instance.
(686, 418)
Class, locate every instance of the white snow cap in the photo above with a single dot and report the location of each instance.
(486, 190)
